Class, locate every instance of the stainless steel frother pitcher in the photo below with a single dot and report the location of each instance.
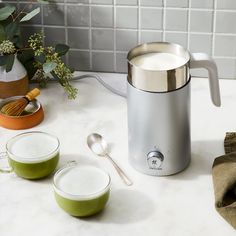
(158, 100)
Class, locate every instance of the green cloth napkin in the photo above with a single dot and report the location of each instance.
(224, 180)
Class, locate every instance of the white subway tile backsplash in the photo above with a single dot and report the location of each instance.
(101, 32)
(127, 2)
(78, 38)
(199, 72)
(102, 39)
(53, 14)
(179, 38)
(226, 67)
(121, 62)
(103, 61)
(176, 20)
(79, 60)
(177, 3)
(225, 22)
(226, 4)
(77, 15)
(127, 17)
(126, 39)
(101, 16)
(200, 43)
(107, 2)
(201, 21)
(76, 1)
(202, 3)
(225, 45)
(58, 35)
(151, 18)
(151, 36)
(152, 3)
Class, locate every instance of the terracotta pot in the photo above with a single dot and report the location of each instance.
(15, 82)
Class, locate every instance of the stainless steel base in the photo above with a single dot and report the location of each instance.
(159, 130)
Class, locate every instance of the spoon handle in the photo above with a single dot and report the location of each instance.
(121, 173)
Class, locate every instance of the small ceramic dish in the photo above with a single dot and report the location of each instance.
(32, 116)
(32, 155)
(81, 190)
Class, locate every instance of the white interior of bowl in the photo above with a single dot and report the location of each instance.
(81, 182)
(32, 147)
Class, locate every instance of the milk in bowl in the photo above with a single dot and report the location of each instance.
(81, 190)
(33, 155)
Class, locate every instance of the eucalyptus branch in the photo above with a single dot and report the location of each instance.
(21, 12)
(48, 60)
(12, 17)
(23, 49)
(40, 61)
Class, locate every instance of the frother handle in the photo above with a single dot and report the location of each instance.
(121, 173)
(202, 60)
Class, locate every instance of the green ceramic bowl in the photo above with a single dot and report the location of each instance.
(81, 190)
(33, 155)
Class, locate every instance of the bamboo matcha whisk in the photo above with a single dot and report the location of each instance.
(16, 107)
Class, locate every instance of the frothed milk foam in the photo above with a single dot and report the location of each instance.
(158, 61)
(31, 146)
(82, 180)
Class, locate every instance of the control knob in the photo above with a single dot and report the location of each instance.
(155, 159)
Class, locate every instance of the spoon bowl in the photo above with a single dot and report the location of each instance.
(97, 144)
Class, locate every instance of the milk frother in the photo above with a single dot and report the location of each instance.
(158, 103)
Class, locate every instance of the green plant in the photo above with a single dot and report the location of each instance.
(40, 62)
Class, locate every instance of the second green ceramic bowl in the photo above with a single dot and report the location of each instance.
(83, 204)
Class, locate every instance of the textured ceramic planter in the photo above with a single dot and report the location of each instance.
(84, 193)
(15, 82)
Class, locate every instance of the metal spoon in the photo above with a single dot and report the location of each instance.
(99, 146)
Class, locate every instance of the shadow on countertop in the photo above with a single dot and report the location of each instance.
(203, 155)
(124, 207)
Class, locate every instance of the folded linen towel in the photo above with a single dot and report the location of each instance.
(224, 180)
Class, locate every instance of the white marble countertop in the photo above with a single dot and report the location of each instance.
(179, 205)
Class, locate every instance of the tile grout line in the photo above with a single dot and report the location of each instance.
(135, 6)
(139, 21)
(189, 22)
(128, 29)
(90, 36)
(213, 29)
(125, 51)
(18, 5)
(89, 49)
(114, 35)
(164, 21)
(131, 6)
(42, 22)
(66, 28)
